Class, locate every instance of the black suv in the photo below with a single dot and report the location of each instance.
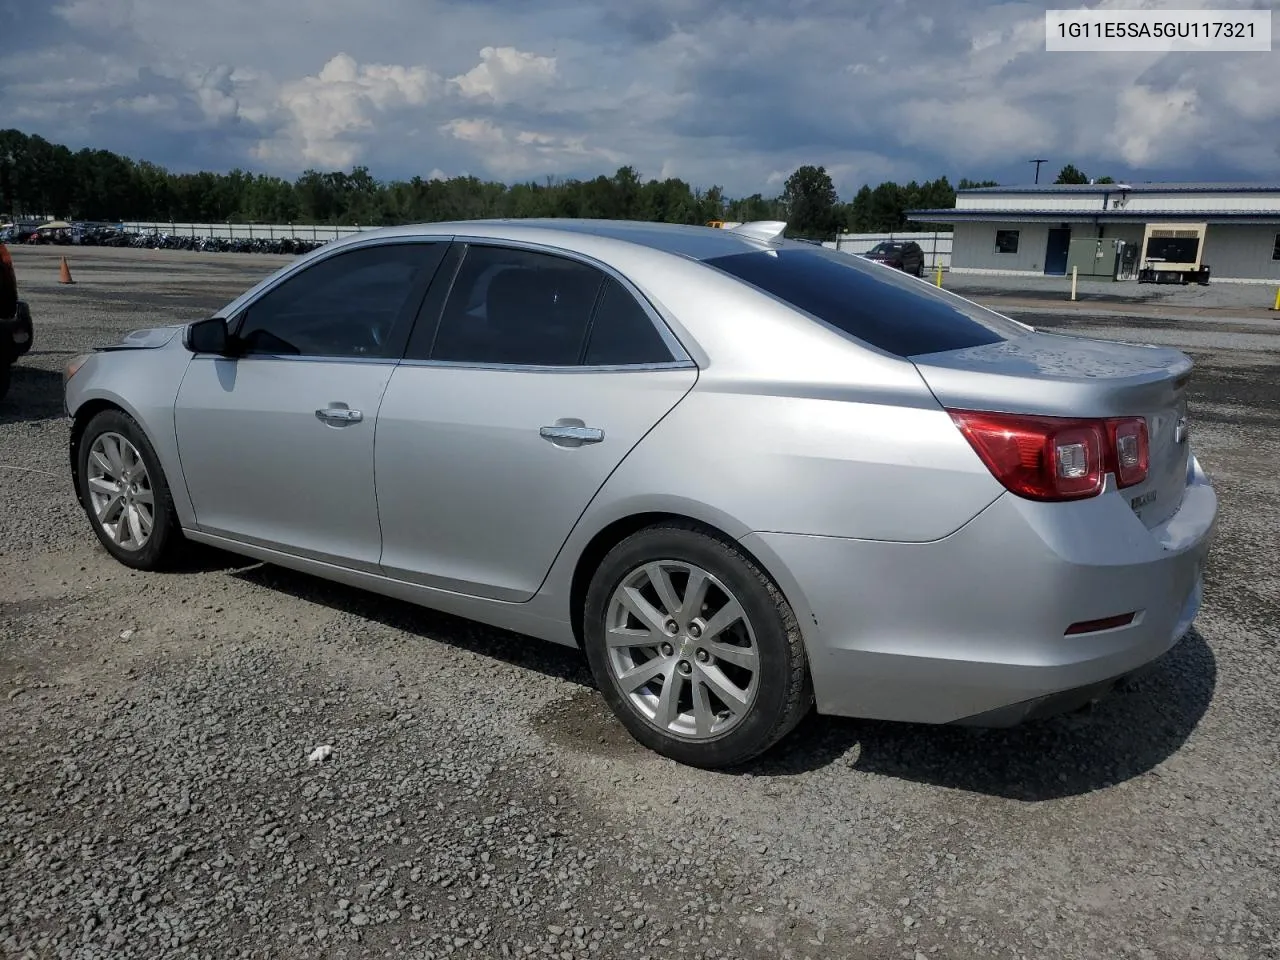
(15, 320)
(906, 255)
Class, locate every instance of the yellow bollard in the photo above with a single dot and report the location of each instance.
(1277, 305)
(938, 280)
(1074, 272)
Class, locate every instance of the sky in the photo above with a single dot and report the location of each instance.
(736, 93)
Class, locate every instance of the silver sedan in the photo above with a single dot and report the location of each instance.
(749, 477)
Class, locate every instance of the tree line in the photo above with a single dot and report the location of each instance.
(38, 177)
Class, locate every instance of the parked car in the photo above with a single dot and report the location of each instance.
(905, 255)
(15, 321)
(748, 477)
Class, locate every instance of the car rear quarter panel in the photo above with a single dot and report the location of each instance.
(142, 383)
(792, 427)
(854, 466)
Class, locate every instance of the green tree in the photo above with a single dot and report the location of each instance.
(810, 199)
(1069, 174)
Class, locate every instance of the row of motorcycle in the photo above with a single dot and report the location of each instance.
(111, 237)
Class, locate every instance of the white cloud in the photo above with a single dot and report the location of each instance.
(526, 152)
(344, 98)
(504, 74)
(1152, 125)
(149, 104)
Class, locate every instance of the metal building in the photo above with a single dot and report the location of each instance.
(1232, 229)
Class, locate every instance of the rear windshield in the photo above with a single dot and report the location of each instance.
(884, 308)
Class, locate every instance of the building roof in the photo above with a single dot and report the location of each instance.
(1013, 214)
(1147, 187)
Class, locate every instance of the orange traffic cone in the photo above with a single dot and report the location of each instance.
(64, 272)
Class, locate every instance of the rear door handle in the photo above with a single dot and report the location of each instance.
(571, 435)
(338, 414)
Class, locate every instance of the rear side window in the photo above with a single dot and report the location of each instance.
(510, 306)
(621, 332)
(890, 311)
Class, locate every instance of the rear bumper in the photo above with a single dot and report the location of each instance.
(971, 628)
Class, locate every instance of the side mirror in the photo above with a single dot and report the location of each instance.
(209, 336)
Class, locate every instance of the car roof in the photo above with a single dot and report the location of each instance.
(695, 242)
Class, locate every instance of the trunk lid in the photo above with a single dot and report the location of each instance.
(1064, 376)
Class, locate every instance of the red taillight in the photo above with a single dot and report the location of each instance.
(1056, 458)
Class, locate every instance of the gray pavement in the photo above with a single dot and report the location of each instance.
(156, 800)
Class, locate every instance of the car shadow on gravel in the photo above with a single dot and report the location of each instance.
(529, 653)
(1122, 737)
(34, 394)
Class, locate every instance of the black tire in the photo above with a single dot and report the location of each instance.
(166, 544)
(6, 377)
(23, 319)
(784, 693)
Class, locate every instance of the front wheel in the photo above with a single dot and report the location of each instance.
(124, 492)
(694, 647)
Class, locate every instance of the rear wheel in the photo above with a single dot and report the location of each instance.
(124, 492)
(5, 376)
(694, 647)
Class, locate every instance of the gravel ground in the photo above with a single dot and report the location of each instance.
(156, 796)
(1217, 295)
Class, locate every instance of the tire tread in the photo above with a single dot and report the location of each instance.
(799, 687)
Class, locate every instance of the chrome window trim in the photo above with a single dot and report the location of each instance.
(678, 352)
(388, 361)
(549, 368)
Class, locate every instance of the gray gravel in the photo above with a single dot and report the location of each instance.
(156, 797)
(1216, 295)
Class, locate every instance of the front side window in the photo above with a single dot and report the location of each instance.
(510, 306)
(347, 305)
(1007, 241)
(883, 308)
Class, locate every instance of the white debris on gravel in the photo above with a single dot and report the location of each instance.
(321, 753)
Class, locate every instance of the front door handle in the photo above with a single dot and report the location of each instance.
(338, 414)
(571, 434)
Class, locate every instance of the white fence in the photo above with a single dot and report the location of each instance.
(244, 231)
(936, 245)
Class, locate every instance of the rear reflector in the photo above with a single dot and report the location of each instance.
(1056, 458)
(1095, 626)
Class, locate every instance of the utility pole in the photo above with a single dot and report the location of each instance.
(1037, 163)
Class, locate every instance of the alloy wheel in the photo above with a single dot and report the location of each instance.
(681, 649)
(120, 491)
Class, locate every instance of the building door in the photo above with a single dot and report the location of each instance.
(1056, 251)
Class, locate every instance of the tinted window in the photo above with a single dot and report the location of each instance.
(517, 306)
(1007, 241)
(1275, 252)
(895, 313)
(622, 332)
(346, 305)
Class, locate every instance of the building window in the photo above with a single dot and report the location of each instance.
(1006, 241)
(1275, 251)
